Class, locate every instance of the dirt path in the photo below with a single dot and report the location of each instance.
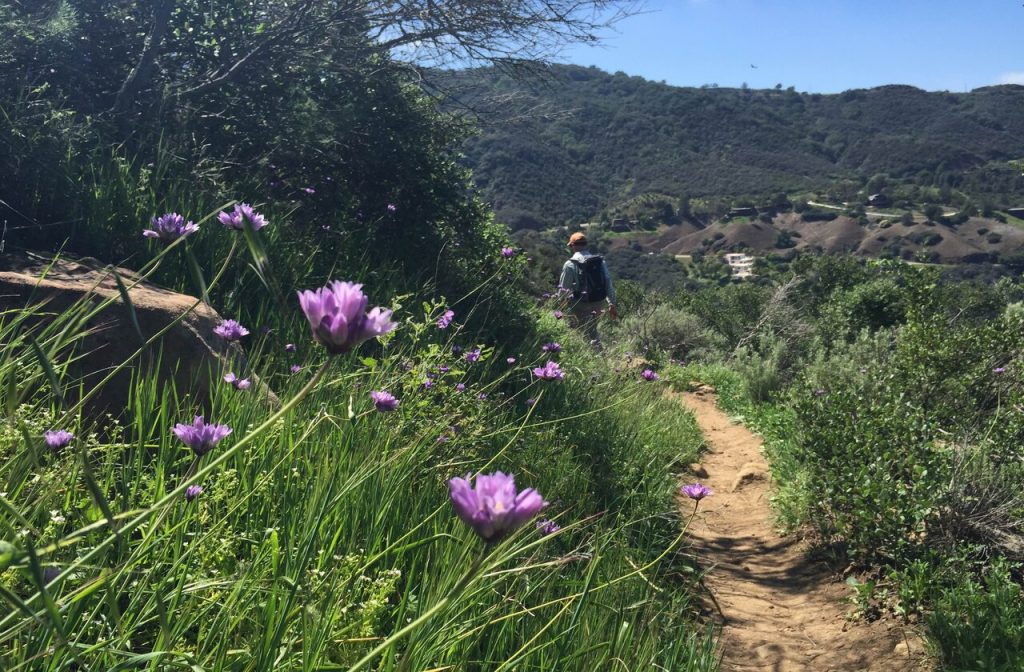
(783, 610)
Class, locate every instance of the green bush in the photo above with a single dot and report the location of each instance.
(872, 305)
(673, 331)
(978, 624)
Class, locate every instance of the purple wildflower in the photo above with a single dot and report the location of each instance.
(530, 402)
(57, 439)
(199, 436)
(493, 508)
(337, 315)
(236, 382)
(445, 319)
(510, 360)
(482, 396)
(428, 384)
(999, 369)
(169, 227)
(557, 314)
(549, 371)
(649, 375)
(391, 209)
(236, 218)
(546, 527)
(473, 355)
(551, 347)
(508, 252)
(295, 368)
(443, 369)
(309, 190)
(442, 438)
(231, 330)
(384, 401)
(696, 491)
(461, 387)
(290, 347)
(193, 491)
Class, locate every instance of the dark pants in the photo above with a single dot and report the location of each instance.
(585, 315)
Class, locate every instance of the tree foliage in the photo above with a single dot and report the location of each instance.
(583, 140)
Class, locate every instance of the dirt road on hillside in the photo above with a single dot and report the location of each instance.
(781, 610)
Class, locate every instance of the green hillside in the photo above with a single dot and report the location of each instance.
(582, 140)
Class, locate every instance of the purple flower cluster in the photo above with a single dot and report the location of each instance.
(169, 227)
(473, 355)
(446, 319)
(236, 382)
(546, 527)
(337, 315)
(242, 212)
(193, 491)
(231, 330)
(200, 436)
(557, 314)
(550, 371)
(649, 375)
(551, 347)
(384, 401)
(696, 491)
(510, 360)
(508, 252)
(493, 508)
(57, 439)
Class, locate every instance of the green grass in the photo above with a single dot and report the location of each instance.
(324, 538)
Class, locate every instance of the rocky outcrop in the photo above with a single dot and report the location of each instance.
(189, 354)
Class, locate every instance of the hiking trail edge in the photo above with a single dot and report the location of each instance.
(782, 610)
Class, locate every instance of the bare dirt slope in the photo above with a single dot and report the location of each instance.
(781, 609)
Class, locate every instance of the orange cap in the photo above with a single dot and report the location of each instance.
(577, 237)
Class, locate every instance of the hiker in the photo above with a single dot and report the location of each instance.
(586, 275)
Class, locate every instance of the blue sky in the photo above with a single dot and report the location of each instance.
(821, 46)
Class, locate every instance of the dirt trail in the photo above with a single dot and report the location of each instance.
(781, 610)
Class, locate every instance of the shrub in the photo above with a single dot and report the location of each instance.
(978, 624)
(873, 305)
(673, 331)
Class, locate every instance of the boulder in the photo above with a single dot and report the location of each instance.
(189, 354)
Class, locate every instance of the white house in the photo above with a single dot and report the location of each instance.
(741, 264)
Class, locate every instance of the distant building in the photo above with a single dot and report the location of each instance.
(1016, 212)
(879, 200)
(742, 212)
(620, 225)
(742, 265)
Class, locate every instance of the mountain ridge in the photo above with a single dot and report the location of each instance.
(603, 138)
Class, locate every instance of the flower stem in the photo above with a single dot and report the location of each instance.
(466, 579)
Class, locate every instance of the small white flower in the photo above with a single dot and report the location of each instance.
(56, 517)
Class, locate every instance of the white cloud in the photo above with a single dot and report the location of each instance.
(1012, 78)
